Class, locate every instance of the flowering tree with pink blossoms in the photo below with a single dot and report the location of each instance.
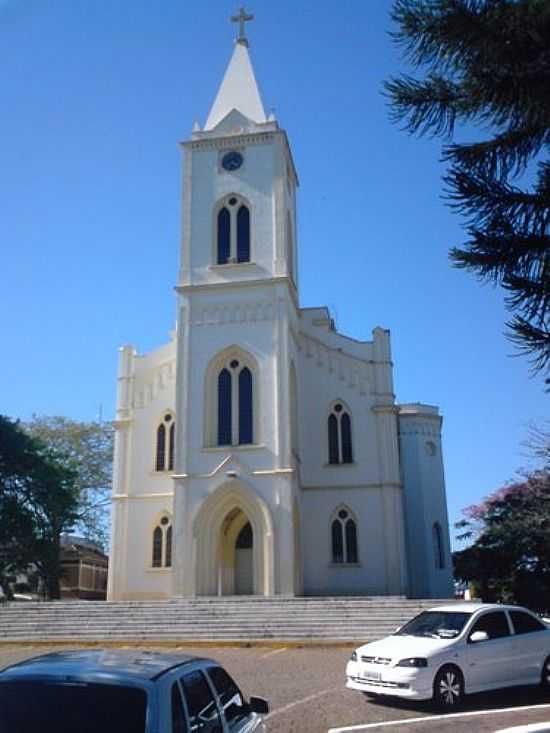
(509, 558)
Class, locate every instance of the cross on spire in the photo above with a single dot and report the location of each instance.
(242, 18)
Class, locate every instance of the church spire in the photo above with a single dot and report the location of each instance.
(239, 89)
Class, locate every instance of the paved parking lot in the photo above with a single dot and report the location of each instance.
(305, 688)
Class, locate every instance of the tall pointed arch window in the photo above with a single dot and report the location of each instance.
(340, 447)
(343, 533)
(233, 235)
(439, 552)
(232, 381)
(165, 442)
(161, 555)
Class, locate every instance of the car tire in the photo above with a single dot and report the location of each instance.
(448, 688)
(545, 676)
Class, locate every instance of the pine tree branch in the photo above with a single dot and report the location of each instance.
(533, 342)
(507, 154)
(490, 203)
(430, 106)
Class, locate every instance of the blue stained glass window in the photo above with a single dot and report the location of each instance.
(333, 439)
(171, 442)
(168, 561)
(161, 448)
(345, 426)
(157, 547)
(224, 236)
(337, 541)
(245, 407)
(351, 541)
(224, 407)
(243, 235)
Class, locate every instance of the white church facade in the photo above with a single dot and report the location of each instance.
(261, 451)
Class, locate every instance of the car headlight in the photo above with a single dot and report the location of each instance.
(354, 656)
(413, 662)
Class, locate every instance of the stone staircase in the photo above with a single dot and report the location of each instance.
(227, 619)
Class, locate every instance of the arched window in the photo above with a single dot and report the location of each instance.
(439, 553)
(233, 231)
(162, 543)
(235, 402)
(165, 443)
(339, 435)
(243, 234)
(343, 532)
(245, 406)
(224, 236)
(157, 547)
(224, 407)
(161, 447)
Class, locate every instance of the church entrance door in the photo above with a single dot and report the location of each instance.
(244, 569)
(236, 558)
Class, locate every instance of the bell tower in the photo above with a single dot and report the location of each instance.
(237, 310)
(239, 212)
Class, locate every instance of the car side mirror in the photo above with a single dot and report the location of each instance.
(259, 705)
(478, 636)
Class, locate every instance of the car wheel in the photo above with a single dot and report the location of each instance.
(448, 688)
(545, 675)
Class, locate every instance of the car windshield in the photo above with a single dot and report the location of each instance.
(68, 707)
(436, 624)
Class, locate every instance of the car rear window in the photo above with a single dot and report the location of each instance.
(68, 707)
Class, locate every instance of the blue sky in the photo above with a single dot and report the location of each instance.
(95, 97)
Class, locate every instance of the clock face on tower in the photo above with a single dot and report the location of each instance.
(232, 161)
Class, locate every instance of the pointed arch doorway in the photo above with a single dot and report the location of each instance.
(236, 567)
(233, 547)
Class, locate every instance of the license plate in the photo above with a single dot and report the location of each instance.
(371, 676)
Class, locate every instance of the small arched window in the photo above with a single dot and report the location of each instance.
(165, 443)
(340, 448)
(439, 552)
(162, 543)
(235, 408)
(233, 231)
(344, 537)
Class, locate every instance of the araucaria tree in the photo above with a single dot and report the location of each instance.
(487, 63)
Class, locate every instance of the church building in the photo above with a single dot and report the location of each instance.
(260, 451)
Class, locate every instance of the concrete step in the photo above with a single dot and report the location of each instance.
(218, 619)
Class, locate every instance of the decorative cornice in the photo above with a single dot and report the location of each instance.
(385, 409)
(352, 370)
(231, 141)
(260, 282)
(342, 487)
(144, 394)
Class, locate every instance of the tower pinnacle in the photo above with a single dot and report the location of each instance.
(242, 18)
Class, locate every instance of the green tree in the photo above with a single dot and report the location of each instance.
(38, 501)
(487, 63)
(87, 448)
(509, 559)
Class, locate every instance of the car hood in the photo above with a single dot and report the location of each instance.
(405, 646)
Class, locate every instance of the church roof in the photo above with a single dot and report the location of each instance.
(238, 90)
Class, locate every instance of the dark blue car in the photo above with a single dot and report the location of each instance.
(112, 691)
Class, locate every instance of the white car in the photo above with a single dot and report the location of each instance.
(453, 650)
